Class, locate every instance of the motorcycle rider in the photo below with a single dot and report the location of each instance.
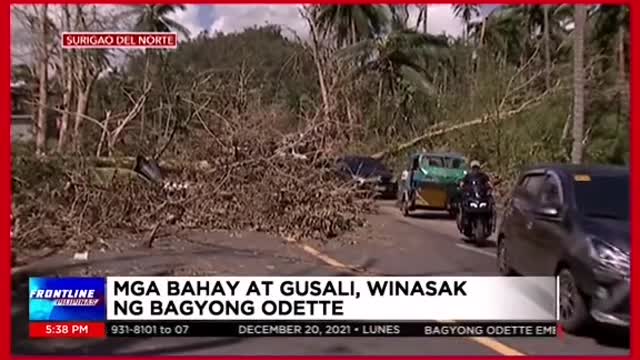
(476, 174)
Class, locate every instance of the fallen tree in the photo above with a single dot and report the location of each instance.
(517, 94)
(257, 184)
(438, 131)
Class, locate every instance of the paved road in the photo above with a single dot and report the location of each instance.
(426, 244)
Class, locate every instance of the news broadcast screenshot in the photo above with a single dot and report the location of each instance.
(328, 179)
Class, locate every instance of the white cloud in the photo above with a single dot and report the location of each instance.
(235, 18)
(189, 18)
(440, 19)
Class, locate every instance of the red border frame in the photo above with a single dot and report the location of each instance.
(5, 161)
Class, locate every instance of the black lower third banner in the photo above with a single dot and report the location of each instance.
(327, 329)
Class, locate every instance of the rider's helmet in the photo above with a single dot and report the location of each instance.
(475, 165)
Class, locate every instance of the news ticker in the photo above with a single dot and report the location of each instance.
(132, 329)
(292, 306)
(303, 298)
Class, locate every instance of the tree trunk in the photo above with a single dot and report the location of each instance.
(479, 50)
(105, 133)
(67, 75)
(547, 48)
(577, 150)
(318, 63)
(350, 121)
(41, 128)
(354, 40)
(622, 74)
(379, 101)
(145, 81)
(426, 17)
(66, 105)
(422, 18)
(437, 129)
(81, 110)
(465, 33)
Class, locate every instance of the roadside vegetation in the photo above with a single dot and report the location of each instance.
(249, 122)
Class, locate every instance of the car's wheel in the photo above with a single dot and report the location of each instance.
(468, 234)
(502, 257)
(574, 312)
(465, 229)
(478, 233)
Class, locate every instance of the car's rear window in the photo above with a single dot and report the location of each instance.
(455, 163)
(603, 196)
(432, 161)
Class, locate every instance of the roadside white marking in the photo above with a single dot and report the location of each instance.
(557, 296)
(324, 258)
(497, 346)
(487, 342)
(476, 250)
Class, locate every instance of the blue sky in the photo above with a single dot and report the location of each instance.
(231, 18)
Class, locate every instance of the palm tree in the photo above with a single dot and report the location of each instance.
(501, 33)
(611, 21)
(156, 18)
(466, 13)
(545, 21)
(611, 30)
(351, 23)
(401, 53)
(580, 18)
(403, 58)
(399, 16)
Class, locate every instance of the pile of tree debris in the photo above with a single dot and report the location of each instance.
(249, 183)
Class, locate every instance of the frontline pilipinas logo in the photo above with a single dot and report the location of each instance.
(67, 299)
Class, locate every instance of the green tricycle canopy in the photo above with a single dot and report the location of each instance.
(443, 168)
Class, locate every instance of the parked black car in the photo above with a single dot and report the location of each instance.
(368, 172)
(572, 222)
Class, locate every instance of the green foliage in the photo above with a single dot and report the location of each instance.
(399, 83)
(157, 18)
(349, 24)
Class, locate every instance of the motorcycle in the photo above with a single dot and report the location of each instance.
(477, 215)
